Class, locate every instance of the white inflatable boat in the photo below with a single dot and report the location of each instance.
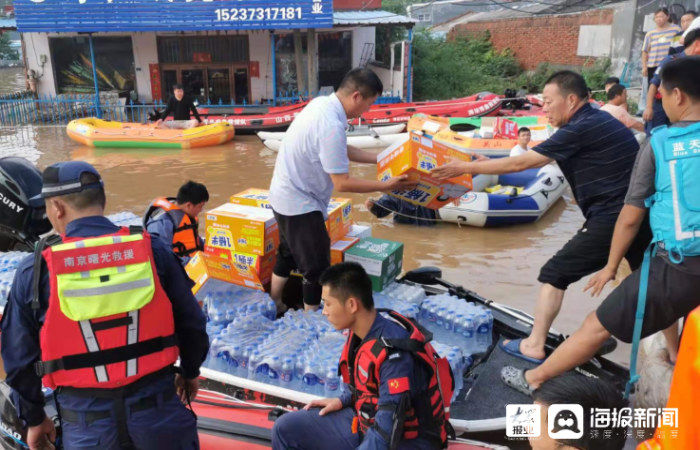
(356, 130)
(380, 141)
(520, 197)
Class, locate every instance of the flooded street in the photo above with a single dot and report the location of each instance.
(500, 264)
(11, 80)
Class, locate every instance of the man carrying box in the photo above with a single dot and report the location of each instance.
(314, 158)
(596, 153)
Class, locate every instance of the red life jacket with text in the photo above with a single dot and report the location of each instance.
(109, 322)
(360, 366)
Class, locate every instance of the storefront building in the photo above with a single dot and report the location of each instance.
(224, 51)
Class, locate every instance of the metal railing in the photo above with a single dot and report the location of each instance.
(24, 108)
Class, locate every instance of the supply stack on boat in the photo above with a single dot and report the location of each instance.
(489, 136)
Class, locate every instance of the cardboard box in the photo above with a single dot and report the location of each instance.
(416, 158)
(339, 218)
(359, 231)
(196, 269)
(247, 270)
(339, 247)
(260, 198)
(241, 229)
(381, 259)
(339, 210)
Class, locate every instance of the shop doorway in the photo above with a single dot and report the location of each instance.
(221, 83)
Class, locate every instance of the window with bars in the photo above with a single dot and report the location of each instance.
(215, 49)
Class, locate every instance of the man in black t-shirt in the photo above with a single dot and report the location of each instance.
(596, 153)
(180, 105)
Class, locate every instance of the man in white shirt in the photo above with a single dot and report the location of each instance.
(617, 107)
(521, 147)
(314, 158)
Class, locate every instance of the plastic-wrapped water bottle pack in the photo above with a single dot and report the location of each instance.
(300, 351)
(125, 219)
(451, 319)
(405, 293)
(228, 302)
(459, 362)
(407, 309)
(8, 266)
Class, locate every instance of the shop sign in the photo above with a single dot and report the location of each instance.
(170, 15)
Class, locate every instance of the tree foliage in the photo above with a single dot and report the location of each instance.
(6, 51)
(460, 67)
(467, 65)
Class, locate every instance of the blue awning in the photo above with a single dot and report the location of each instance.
(370, 18)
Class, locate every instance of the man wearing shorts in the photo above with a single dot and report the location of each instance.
(596, 153)
(657, 182)
(314, 158)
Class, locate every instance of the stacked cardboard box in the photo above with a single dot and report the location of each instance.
(339, 210)
(416, 158)
(240, 246)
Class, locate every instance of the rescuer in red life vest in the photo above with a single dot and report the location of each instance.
(101, 316)
(174, 220)
(391, 398)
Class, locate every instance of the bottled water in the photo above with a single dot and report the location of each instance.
(451, 319)
(8, 266)
(286, 373)
(125, 219)
(332, 382)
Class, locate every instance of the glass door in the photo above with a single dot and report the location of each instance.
(219, 85)
(167, 83)
(193, 84)
(241, 85)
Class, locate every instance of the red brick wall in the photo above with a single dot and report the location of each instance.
(356, 4)
(533, 40)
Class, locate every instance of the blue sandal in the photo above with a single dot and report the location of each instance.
(513, 349)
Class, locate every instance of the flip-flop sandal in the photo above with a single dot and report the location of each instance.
(515, 378)
(513, 349)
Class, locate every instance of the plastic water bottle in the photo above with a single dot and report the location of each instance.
(309, 380)
(332, 385)
(233, 354)
(286, 374)
(482, 332)
(467, 328)
(253, 363)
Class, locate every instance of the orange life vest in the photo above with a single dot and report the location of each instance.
(109, 322)
(186, 233)
(685, 392)
(360, 365)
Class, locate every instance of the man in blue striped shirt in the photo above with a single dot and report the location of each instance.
(596, 153)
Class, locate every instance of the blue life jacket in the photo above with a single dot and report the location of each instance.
(675, 207)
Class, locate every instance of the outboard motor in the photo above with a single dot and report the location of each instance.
(512, 101)
(13, 432)
(21, 224)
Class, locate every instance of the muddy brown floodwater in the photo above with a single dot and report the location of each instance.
(11, 80)
(500, 264)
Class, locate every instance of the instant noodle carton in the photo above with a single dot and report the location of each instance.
(339, 218)
(339, 247)
(234, 228)
(339, 210)
(416, 158)
(381, 259)
(252, 197)
(252, 271)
